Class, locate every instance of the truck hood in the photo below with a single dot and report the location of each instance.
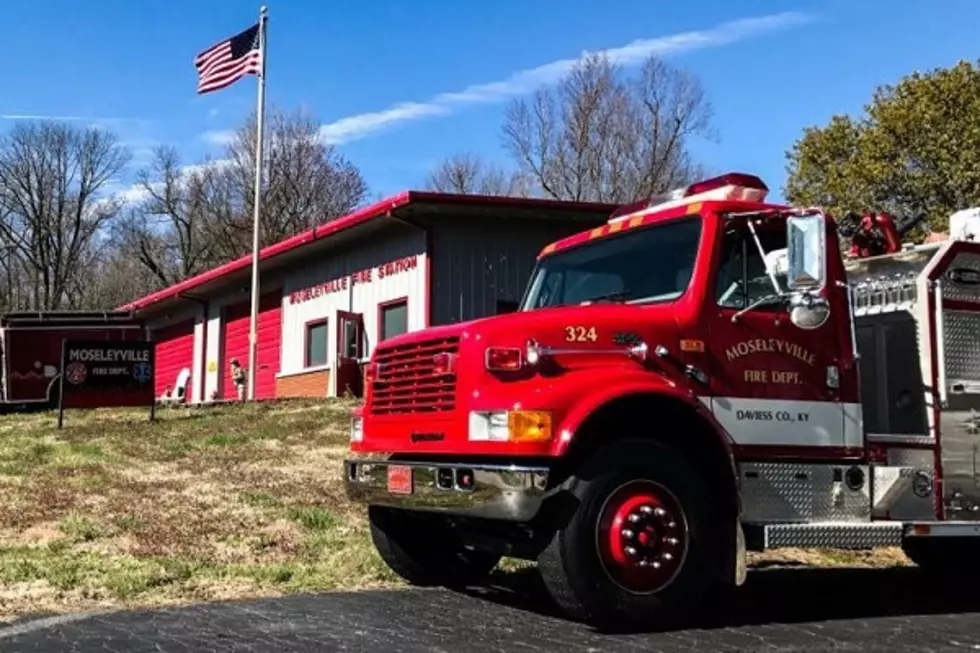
(599, 326)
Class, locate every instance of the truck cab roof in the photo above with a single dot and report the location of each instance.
(731, 192)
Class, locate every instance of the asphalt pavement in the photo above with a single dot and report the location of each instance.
(780, 610)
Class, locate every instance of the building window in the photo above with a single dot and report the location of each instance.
(392, 319)
(316, 343)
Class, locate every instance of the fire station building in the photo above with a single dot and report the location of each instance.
(329, 295)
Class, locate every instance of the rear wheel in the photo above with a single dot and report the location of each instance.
(943, 556)
(642, 547)
(425, 552)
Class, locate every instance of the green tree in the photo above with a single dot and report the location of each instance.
(915, 151)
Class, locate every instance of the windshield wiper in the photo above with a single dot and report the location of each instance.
(607, 297)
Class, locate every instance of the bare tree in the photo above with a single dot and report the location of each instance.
(51, 180)
(597, 136)
(195, 217)
(307, 182)
(469, 174)
(173, 231)
(113, 277)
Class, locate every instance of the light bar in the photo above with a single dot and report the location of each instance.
(734, 186)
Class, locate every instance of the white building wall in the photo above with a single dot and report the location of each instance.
(357, 280)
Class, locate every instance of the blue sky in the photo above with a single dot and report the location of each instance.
(128, 65)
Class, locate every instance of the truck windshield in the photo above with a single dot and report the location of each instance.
(650, 264)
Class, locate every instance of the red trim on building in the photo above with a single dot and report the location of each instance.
(389, 304)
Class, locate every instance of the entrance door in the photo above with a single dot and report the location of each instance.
(769, 378)
(350, 351)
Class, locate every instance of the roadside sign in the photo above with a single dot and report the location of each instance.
(106, 374)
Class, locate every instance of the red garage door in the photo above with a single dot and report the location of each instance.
(174, 351)
(234, 344)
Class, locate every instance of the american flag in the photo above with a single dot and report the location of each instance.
(225, 63)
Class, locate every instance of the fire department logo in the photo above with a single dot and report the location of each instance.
(75, 373)
(142, 372)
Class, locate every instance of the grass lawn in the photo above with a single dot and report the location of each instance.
(203, 504)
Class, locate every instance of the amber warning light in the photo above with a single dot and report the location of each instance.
(735, 186)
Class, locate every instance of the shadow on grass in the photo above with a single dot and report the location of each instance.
(784, 596)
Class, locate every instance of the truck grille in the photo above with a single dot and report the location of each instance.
(407, 381)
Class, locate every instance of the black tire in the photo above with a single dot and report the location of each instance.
(943, 556)
(425, 553)
(685, 543)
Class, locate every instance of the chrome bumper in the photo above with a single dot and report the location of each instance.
(504, 492)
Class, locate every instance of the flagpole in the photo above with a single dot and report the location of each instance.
(257, 203)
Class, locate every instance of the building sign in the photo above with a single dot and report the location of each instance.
(105, 373)
(367, 275)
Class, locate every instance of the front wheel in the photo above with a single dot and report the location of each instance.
(643, 544)
(424, 552)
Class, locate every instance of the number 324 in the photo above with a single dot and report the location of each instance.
(580, 334)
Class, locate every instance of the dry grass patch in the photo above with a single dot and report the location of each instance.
(203, 504)
(229, 502)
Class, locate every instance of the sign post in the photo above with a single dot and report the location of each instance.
(104, 373)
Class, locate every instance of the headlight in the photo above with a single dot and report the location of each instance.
(510, 426)
(356, 429)
(488, 427)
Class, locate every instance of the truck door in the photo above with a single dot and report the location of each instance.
(768, 378)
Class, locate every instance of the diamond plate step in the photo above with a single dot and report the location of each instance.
(834, 535)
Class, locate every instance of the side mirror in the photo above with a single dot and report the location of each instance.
(806, 237)
(505, 306)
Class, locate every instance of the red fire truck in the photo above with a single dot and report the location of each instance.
(705, 374)
(30, 346)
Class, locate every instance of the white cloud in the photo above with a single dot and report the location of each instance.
(136, 193)
(524, 81)
(362, 124)
(218, 136)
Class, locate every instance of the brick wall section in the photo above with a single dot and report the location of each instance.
(312, 384)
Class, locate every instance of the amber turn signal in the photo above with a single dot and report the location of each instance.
(529, 425)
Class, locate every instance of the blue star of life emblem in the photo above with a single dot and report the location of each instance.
(142, 372)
